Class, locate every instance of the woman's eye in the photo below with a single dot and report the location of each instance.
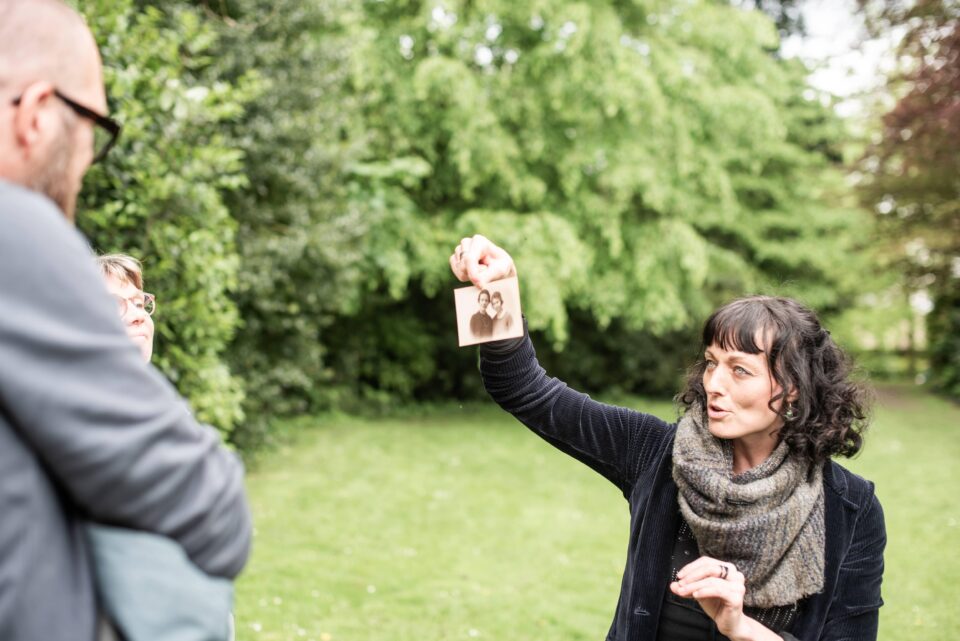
(711, 364)
(742, 372)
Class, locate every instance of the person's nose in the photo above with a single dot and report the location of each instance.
(135, 315)
(714, 383)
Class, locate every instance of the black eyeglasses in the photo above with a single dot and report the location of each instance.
(105, 133)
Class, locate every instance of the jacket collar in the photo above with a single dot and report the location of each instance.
(836, 480)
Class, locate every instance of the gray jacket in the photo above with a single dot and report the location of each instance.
(87, 431)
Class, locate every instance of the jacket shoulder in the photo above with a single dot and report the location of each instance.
(33, 226)
(854, 489)
(17, 200)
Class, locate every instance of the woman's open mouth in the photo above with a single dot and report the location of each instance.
(715, 412)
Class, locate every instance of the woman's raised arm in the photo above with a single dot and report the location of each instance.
(614, 441)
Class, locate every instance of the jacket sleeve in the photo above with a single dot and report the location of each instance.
(854, 614)
(110, 430)
(617, 442)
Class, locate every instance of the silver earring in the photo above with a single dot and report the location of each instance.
(791, 412)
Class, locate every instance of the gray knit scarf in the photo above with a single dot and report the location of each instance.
(767, 521)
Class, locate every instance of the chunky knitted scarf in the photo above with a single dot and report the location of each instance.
(767, 521)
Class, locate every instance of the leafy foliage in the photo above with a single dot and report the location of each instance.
(299, 236)
(786, 14)
(642, 162)
(160, 194)
(912, 170)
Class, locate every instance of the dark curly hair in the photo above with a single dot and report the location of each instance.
(831, 410)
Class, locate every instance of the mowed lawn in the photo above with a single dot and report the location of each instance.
(460, 524)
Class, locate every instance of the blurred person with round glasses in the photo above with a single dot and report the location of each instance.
(124, 277)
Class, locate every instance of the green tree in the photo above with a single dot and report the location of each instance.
(159, 195)
(786, 14)
(641, 161)
(298, 237)
(911, 172)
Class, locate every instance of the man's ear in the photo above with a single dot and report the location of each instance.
(31, 116)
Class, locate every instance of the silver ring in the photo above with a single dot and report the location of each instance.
(724, 571)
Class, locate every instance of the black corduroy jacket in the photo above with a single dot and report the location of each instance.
(634, 451)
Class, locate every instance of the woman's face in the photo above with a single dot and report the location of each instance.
(739, 387)
(483, 300)
(138, 323)
(497, 303)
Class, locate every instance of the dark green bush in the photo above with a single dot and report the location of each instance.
(159, 195)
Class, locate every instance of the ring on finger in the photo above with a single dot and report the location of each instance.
(724, 571)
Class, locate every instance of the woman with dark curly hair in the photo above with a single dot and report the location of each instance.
(742, 527)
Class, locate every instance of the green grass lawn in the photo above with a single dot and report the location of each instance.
(460, 524)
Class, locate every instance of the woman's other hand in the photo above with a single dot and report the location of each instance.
(719, 588)
(479, 261)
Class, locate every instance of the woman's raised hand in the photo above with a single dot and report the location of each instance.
(479, 261)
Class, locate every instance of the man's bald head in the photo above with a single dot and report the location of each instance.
(47, 40)
(49, 63)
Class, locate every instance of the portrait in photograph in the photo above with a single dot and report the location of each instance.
(491, 313)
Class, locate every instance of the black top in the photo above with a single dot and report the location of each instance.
(684, 620)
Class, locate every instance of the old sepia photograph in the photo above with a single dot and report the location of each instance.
(491, 313)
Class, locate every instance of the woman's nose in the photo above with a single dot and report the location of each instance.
(713, 383)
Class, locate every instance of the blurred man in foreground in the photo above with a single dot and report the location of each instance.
(88, 431)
